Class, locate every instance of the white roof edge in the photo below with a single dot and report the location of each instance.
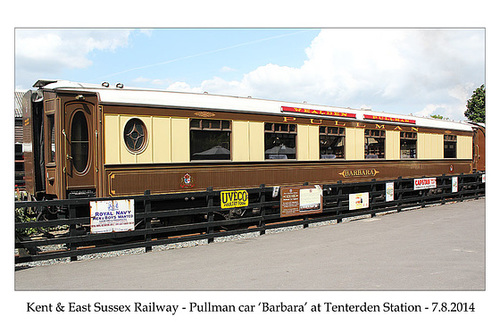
(144, 96)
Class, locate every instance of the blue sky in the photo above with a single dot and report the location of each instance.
(194, 55)
(170, 55)
(405, 71)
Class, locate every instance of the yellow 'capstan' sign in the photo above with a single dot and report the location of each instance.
(233, 199)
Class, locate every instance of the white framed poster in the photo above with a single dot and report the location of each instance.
(454, 184)
(389, 191)
(359, 201)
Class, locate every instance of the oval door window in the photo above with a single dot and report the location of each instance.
(79, 141)
(135, 135)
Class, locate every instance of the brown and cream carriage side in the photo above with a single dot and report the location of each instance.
(103, 141)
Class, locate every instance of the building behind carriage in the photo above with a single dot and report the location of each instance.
(18, 139)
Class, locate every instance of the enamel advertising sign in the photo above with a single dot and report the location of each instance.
(233, 199)
(427, 183)
(111, 216)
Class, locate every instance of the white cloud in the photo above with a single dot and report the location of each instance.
(42, 52)
(393, 70)
(180, 86)
(434, 109)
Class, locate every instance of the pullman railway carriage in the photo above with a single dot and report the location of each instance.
(102, 141)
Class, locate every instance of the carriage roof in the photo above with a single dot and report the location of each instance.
(214, 102)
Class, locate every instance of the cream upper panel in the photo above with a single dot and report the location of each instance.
(168, 141)
(179, 140)
(159, 144)
(354, 144)
(464, 147)
(392, 145)
(247, 141)
(112, 136)
(307, 142)
(430, 146)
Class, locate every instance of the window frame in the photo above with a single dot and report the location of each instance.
(408, 136)
(145, 134)
(450, 139)
(200, 125)
(376, 134)
(82, 143)
(277, 128)
(329, 132)
(50, 156)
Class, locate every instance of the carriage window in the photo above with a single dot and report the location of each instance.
(210, 139)
(280, 140)
(135, 135)
(408, 145)
(51, 140)
(374, 144)
(450, 146)
(79, 141)
(331, 142)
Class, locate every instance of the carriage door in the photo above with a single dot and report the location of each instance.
(80, 142)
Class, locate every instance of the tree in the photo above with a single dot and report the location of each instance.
(476, 106)
(440, 117)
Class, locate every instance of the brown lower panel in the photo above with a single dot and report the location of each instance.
(124, 180)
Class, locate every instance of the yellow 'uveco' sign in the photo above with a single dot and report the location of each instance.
(233, 199)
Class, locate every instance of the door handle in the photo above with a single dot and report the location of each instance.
(95, 151)
(68, 157)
